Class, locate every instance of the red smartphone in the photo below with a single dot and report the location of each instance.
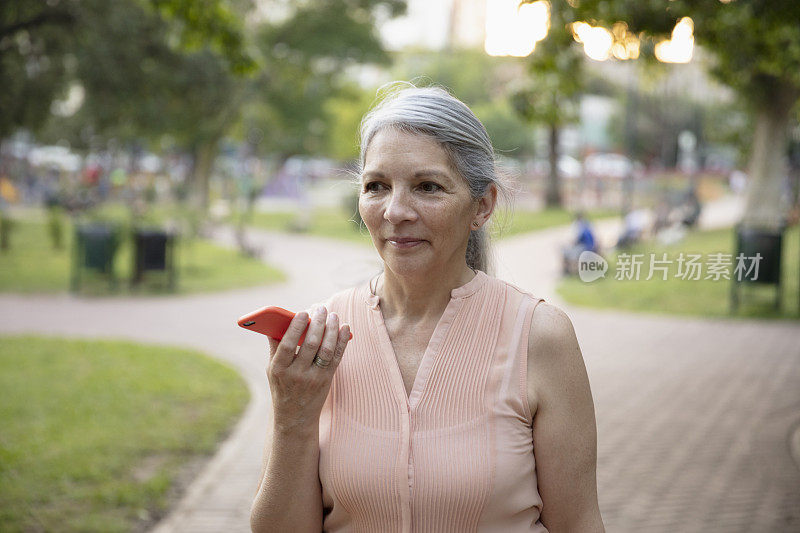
(272, 321)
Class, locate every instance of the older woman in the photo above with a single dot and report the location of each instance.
(455, 407)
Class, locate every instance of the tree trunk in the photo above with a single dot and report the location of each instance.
(246, 215)
(768, 163)
(204, 154)
(553, 195)
(5, 231)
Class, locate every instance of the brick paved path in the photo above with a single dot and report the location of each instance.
(694, 416)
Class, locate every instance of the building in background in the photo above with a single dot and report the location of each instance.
(467, 24)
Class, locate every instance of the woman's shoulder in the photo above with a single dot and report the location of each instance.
(551, 334)
(550, 323)
(553, 350)
(508, 286)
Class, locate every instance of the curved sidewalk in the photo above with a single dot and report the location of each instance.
(694, 416)
(219, 498)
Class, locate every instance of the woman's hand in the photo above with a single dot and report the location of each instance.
(298, 386)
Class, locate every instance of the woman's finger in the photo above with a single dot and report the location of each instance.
(273, 348)
(284, 352)
(327, 348)
(313, 338)
(341, 344)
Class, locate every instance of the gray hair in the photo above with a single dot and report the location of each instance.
(434, 112)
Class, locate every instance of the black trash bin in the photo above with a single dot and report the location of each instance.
(769, 245)
(94, 248)
(153, 251)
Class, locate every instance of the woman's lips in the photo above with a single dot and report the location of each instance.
(404, 243)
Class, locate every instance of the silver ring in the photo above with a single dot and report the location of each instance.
(320, 362)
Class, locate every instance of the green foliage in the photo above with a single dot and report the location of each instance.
(167, 69)
(549, 93)
(756, 43)
(96, 433)
(510, 135)
(34, 42)
(472, 75)
(124, 53)
(756, 48)
(327, 34)
(139, 85)
(480, 81)
(344, 112)
(304, 58)
(653, 120)
(215, 23)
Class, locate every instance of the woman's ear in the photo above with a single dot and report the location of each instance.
(486, 203)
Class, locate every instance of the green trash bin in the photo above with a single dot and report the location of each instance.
(94, 249)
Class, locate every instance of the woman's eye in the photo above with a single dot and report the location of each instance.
(427, 186)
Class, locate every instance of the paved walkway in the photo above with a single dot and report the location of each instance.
(695, 417)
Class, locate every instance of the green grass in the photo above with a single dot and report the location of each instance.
(95, 433)
(331, 222)
(32, 265)
(708, 298)
(525, 221)
(339, 223)
(206, 267)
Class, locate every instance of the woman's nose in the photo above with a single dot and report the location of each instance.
(399, 208)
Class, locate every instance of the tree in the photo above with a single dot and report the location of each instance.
(301, 63)
(177, 68)
(549, 93)
(345, 111)
(34, 39)
(480, 81)
(304, 58)
(42, 45)
(756, 46)
(144, 77)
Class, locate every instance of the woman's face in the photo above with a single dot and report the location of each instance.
(408, 190)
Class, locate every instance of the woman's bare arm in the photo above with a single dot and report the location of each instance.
(289, 496)
(564, 427)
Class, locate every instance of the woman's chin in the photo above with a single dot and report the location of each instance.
(405, 266)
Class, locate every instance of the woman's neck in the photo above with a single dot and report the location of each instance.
(420, 297)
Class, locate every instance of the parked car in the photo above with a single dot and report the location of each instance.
(55, 156)
(568, 167)
(607, 166)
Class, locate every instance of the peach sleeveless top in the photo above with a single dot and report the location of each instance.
(457, 454)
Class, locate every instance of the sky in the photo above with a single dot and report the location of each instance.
(425, 24)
